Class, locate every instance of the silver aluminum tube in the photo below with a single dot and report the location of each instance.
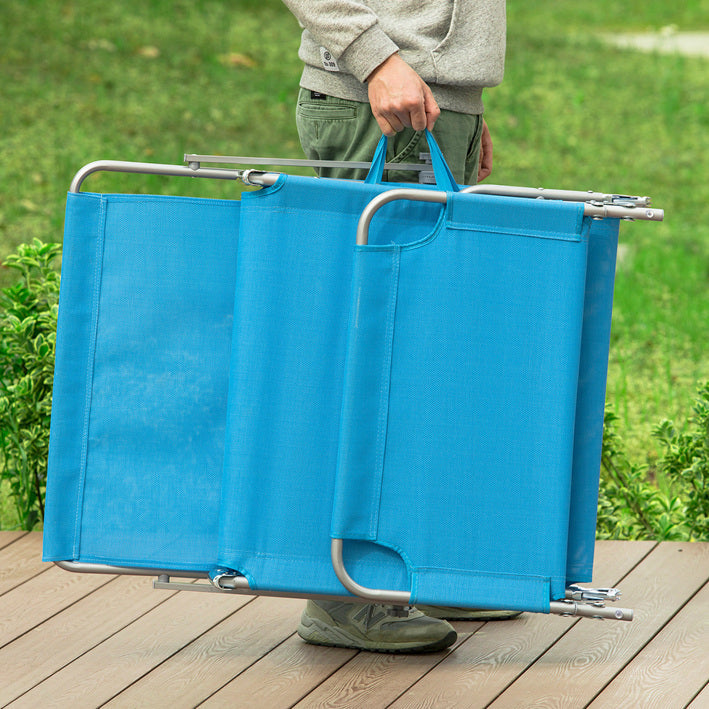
(193, 159)
(563, 195)
(81, 567)
(149, 168)
(384, 198)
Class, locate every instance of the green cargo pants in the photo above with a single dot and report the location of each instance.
(338, 129)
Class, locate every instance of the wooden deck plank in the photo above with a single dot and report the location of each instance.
(20, 560)
(211, 661)
(701, 701)
(51, 592)
(375, 680)
(491, 659)
(47, 648)
(590, 655)
(282, 677)
(103, 639)
(97, 676)
(680, 650)
(7, 538)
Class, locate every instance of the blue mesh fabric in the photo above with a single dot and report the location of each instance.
(457, 436)
(591, 398)
(141, 380)
(293, 286)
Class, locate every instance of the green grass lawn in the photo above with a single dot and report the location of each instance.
(576, 113)
(150, 81)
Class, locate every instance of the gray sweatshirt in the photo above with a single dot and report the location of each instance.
(456, 46)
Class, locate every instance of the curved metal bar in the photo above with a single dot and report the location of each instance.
(596, 210)
(375, 595)
(397, 598)
(149, 168)
(380, 200)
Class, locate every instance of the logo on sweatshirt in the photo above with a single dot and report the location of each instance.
(328, 61)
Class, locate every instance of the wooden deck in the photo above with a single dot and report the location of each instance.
(71, 640)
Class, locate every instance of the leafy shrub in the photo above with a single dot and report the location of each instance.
(686, 464)
(28, 322)
(629, 505)
(632, 507)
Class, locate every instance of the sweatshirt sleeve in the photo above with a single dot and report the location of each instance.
(349, 30)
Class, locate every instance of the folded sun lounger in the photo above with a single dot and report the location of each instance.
(333, 388)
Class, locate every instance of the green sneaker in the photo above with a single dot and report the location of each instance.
(373, 627)
(451, 613)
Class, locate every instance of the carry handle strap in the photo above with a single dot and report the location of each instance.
(444, 177)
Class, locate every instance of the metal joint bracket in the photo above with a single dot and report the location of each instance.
(590, 603)
(225, 579)
(624, 200)
(594, 595)
(219, 581)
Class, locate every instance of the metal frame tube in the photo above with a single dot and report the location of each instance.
(375, 595)
(597, 211)
(596, 204)
(81, 567)
(384, 198)
(148, 168)
(298, 162)
(562, 195)
(402, 598)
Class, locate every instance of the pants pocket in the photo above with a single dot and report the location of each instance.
(321, 111)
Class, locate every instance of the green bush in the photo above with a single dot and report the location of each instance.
(28, 322)
(631, 506)
(686, 464)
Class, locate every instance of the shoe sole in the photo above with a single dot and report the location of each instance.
(480, 616)
(316, 636)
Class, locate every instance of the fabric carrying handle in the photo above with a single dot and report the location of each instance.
(444, 177)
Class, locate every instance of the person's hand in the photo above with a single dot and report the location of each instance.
(400, 98)
(485, 167)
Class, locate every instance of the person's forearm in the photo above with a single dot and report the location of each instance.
(348, 29)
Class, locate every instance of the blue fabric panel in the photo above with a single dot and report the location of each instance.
(588, 434)
(363, 429)
(81, 262)
(481, 403)
(452, 587)
(290, 332)
(142, 439)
